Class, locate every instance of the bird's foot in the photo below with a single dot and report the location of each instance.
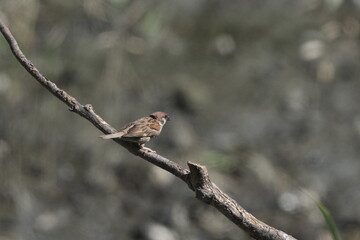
(148, 150)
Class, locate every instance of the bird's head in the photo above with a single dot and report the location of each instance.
(161, 117)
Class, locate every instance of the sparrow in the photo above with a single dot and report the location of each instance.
(142, 130)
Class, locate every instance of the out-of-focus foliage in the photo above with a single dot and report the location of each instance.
(265, 93)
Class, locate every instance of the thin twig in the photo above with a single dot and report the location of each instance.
(196, 177)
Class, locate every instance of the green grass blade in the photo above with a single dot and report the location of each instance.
(326, 214)
(329, 221)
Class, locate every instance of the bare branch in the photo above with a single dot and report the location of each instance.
(196, 177)
(209, 193)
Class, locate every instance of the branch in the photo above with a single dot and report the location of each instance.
(196, 177)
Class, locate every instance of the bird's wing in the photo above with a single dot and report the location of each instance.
(143, 127)
(146, 127)
(122, 131)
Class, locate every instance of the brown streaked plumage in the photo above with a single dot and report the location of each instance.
(142, 130)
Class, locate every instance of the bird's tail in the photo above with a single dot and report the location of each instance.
(114, 135)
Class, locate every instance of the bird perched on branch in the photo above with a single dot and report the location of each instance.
(142, 130)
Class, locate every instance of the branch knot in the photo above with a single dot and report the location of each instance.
(200, 182)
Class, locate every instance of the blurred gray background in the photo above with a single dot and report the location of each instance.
(264, 93)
